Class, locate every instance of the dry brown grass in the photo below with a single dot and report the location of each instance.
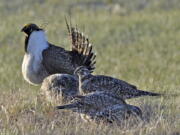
(139, 45)
(22, 114)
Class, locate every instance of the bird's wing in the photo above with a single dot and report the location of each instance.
(105, 82)
(57, 60)
(100, 99)
(81, 48)
(120, 87)
(108, 81)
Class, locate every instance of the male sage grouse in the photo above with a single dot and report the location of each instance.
(42, 58)
(102, 106)
(89, 83)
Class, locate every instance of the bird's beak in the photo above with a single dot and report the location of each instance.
(22, 30)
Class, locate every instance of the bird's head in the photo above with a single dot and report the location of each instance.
(29, 28)
(81, 71)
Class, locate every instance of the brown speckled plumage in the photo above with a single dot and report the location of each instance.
(119, 113)
(102, 106)
(89, 83)
(60, 88)
(97, 100)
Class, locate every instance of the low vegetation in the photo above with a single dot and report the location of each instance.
(137, 41)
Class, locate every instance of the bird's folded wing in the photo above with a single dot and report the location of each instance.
(112, 82)
(57, 60)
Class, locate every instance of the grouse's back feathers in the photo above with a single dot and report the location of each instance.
(90, 83)
(119, 113)
(60, 88)
(94, 101)
(102, 106)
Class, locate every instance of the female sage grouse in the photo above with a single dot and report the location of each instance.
(89, 83)
(60, 88)
(42, 58)
(102, 106)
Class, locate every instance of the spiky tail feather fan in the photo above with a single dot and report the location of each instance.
(81, 44)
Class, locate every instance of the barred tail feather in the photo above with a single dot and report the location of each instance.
(81, 45)
(68, 106)
(139, 93)
(149, 93)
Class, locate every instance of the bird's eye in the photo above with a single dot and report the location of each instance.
(63, 85)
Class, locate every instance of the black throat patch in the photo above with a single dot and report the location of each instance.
(26, 43)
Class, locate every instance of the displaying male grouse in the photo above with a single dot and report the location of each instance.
(42, 58)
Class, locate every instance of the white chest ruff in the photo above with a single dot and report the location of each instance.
(32, 68)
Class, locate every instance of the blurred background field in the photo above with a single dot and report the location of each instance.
(135, 40)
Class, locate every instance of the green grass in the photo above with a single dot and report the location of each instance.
(137, 43)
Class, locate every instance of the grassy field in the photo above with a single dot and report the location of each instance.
(135, 40)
